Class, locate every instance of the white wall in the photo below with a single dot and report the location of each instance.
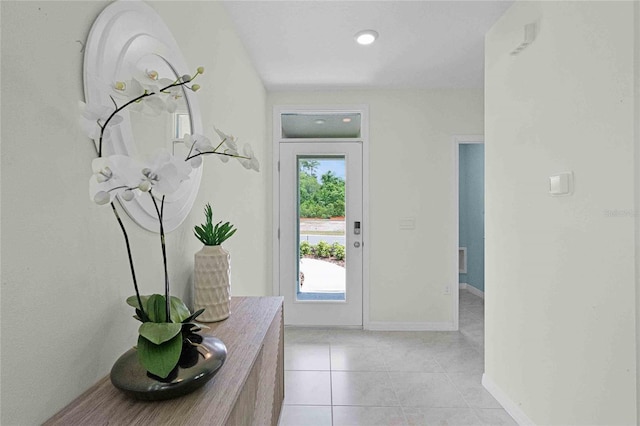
(560, 295)
(411, 175)
(64, 267)
(637, 181)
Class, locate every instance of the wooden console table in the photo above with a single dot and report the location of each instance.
(247, 390)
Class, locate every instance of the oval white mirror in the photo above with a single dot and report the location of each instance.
(129, 39)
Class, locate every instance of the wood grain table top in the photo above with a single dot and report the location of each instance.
(243, 334)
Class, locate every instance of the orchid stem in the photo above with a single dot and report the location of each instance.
(159, 211)
(133, 272)
(134, 100)
(103, 127)
(217, 153)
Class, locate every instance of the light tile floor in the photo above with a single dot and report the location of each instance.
(352, 377)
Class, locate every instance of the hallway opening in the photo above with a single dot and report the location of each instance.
(469, 189)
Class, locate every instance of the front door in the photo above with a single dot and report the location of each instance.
(321, 232)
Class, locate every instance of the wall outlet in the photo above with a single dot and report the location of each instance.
(447, 289)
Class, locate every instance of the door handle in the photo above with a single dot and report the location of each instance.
(356, 244)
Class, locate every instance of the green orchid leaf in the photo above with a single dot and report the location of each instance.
(193, 316)
(159, 359)
(158, 333)
(201, 326)
(156, 308)
(142, 315)
(133, 301)
(179, 311)
(187, 326)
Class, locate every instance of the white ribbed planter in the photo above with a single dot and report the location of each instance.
(212, 283)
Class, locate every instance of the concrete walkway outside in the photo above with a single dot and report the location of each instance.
(322, 277)
(322, 226)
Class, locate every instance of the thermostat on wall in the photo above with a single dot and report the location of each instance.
(561, 184)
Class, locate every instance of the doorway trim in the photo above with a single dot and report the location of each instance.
(455, 286)
(277, 138)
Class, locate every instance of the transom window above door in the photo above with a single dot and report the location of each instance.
(321, 126)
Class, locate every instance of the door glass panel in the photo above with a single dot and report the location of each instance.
(321, 228)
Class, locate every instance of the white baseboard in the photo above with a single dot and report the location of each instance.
(510, 407)
(471, 289)
(409, 326)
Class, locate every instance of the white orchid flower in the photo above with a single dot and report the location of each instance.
(228, 154)
(171, 103)
(113, 175)
(172, 96)
(153, 105)
(164, 174)
(229, 140)
(128, 89)
(152, 74)
(152, 82)
(149, 79)
(228, 144)
(138, 86)
(197, 144)
(92, 114)
(248, 159)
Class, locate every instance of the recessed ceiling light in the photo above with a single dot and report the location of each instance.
(346, 120)
(366, 37)
(319, 121)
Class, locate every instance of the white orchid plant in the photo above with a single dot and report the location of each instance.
(168, 328)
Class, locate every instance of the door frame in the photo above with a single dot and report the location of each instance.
(277, 138)
(455, 287)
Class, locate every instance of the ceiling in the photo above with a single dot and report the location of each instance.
(309, 44)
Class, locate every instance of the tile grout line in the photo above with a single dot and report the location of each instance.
(480, 353)
(404, 415)
(473, 409)
(475, 346)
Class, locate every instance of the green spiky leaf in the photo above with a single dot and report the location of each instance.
(211, 235)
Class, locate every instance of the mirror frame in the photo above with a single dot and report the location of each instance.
(121, 35)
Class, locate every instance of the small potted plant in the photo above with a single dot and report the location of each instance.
(212, 272)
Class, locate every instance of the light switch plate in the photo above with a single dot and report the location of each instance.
(408, 223)
(561, 184)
